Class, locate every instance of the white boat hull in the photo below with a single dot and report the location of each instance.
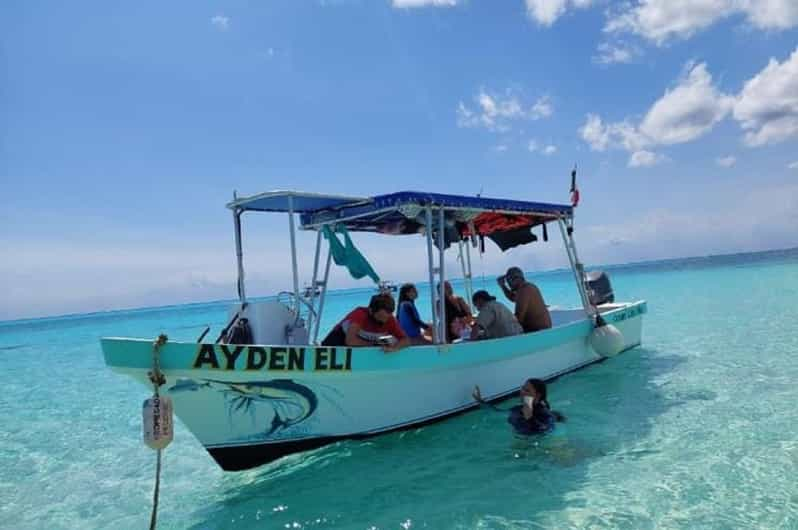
(249, 405)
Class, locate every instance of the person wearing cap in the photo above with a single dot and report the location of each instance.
(530, 309)
(374, 325)
(494, 319)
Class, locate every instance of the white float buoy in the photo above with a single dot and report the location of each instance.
(607, 340)
(157, 421)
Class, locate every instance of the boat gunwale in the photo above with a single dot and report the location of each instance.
(412, 358)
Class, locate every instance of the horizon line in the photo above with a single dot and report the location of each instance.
(109, 312)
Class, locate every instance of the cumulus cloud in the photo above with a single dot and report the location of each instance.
(549, 150)
(221, 22)
(423, 3)
(770, 14)
(601, 136)
(767, 106)
(726, 161)
(662, 20)
(685, 112)
(497, 112)
(793, 165)
(546, 12)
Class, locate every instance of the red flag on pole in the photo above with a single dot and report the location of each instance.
(574, 189)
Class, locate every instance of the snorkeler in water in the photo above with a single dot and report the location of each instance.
(534, 415)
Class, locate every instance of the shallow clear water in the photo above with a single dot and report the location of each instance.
(697, 429)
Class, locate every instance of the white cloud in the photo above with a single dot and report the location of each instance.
(726, 161)
(549, 150)
(600, 136)
(496, 112)
(616, 52)
(644, 158)
(767, 106)
(546, 12)
(542, 108)
(659, 20)
(595, 133)
(423, 3)
(686, 112)
(793, 165)
(221, 22)
(663, 20)
(501, 148)
(533, 146)
(771, 14)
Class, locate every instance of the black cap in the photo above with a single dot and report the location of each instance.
(482, 295)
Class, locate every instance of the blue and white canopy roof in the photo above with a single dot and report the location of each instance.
(403, 212)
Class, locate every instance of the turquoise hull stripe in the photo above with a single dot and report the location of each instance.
(136, 354)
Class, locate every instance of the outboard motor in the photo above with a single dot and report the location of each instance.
(599, 290)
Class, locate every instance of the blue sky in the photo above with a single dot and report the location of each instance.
(124, 128)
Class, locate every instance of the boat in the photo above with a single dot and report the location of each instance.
(283, 392)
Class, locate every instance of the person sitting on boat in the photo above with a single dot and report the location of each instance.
(534, 414)
(494, 319)
(530, 309)
(370, 326)
(407, 314)
(458, 313)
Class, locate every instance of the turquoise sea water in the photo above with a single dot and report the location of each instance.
(696, 429)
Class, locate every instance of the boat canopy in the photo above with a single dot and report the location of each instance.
(403, 212)
(442, 219)
(293, 201)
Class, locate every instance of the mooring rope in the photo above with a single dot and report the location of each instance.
(154, 515)
(158, 379)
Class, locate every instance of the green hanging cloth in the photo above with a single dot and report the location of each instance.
(346, 255)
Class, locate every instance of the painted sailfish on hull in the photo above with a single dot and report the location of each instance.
(291, 402)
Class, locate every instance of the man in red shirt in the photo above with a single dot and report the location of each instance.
(370, 326)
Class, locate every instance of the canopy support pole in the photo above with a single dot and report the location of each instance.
(313, 281)
(465, 260)
(577, 268)
(322, 295)
(461, 259)
(294, 267)
(441, 276)
(431, 269)
(242, 295)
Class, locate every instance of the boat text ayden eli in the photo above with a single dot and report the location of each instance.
(272, 359)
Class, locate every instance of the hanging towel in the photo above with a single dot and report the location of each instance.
(346, 255)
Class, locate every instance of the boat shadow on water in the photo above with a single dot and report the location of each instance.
(469, 471)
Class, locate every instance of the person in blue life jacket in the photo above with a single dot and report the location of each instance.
(416, 329)
(534, 414)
